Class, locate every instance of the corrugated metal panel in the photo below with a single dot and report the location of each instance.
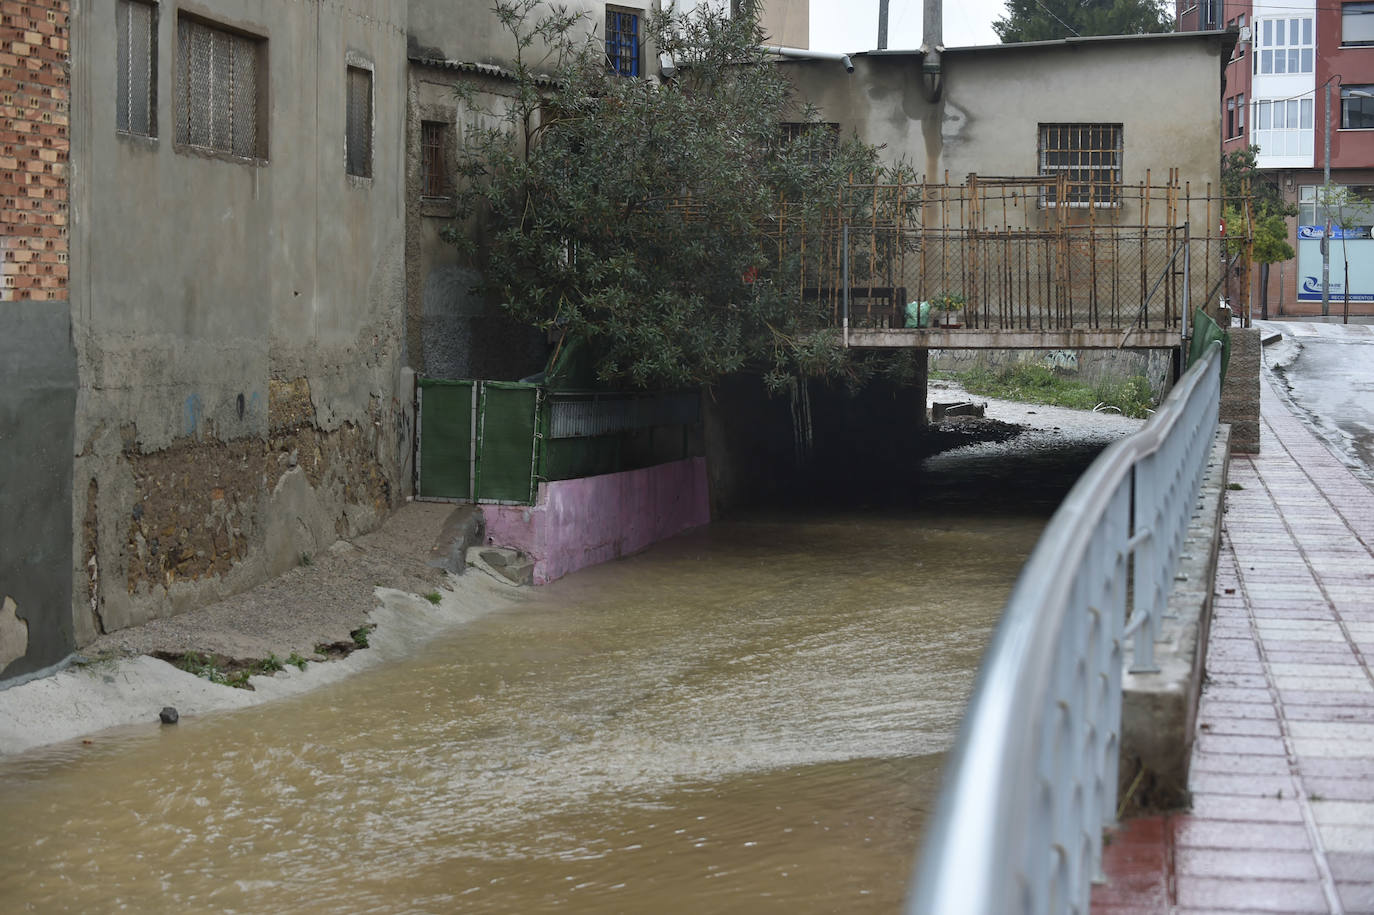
(583, 415)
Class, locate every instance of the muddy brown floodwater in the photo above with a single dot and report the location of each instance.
(750, 718)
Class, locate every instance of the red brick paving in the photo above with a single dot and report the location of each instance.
(1283, 766)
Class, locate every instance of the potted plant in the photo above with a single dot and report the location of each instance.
(950, 305)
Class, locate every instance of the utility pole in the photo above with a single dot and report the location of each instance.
(1326, 209)
(882, 25)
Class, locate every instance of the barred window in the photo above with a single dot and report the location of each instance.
(1089, 155)
(220, 75)
(136, 62)
(433, 159)
(622, 42)
(821, 138)
(358, 129)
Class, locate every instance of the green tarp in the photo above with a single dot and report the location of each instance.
(1205, 333)
(445, 458)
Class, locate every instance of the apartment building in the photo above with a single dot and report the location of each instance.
(1299, 84)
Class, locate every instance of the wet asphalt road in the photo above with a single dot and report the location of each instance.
(1326, 372)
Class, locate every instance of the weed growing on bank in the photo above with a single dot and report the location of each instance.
(1031, 383)
(227, 671)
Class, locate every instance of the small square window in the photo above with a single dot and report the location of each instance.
(1089, 157)
(622, 42)
(821, 138)
(434, 159)
(136, 62)
(358, 130)
(220, 77)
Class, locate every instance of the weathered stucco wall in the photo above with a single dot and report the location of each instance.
(994, 98)
(37, 402)
(238, 322)
(454, 330)
(466, 30)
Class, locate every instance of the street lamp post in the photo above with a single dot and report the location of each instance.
(1326, 194)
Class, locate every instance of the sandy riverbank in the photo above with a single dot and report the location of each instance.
(376, 580)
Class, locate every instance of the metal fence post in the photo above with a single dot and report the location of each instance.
(844, 278)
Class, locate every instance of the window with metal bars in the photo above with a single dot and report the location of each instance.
(622, 42)
(1089, 156)
(358, 128)
(219, 77)
(820, 138)
(136, 63)
(433, 159)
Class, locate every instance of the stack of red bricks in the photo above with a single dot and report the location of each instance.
(34, 144)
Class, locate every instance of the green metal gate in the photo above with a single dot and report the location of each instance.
(507, 444)
(447, 413)
(478, 441)
(494, 441)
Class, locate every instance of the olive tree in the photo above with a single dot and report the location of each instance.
(640, 217)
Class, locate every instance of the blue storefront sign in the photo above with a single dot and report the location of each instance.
(1354, 246)
(1337, 233)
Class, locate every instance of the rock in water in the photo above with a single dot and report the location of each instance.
(168, 715)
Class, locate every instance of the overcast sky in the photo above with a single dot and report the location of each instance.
(852, 25)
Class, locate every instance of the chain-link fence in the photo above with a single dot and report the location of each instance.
(1024, 280)
(1011, 259)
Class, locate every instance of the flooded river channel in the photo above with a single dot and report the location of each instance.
(750, 718)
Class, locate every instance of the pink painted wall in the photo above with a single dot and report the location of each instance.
(578, 523)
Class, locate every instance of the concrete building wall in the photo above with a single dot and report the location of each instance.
(787, 22)
(468, 31)
(994, 99)
(238, 321)
(454, 330)
(37, 399)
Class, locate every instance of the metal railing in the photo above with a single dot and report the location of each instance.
(1107, 277)
(1032, 780)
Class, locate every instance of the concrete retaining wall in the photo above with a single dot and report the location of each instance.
(37, 406)
(579, 523)
(1159, 710)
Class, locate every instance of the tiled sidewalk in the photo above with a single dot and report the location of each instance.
(1283, 768)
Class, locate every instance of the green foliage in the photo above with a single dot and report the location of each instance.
(948, 301)
(1270, 236)
(296, 660)
(1034, 383)
(212, 668)
(270, 665)
(1239, 175)
(434, 597)
(1048, 20)
(359, 635)
(1239, 172)
(641, 217)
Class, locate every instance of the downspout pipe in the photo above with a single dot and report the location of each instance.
(933, 43)
(804, 54)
